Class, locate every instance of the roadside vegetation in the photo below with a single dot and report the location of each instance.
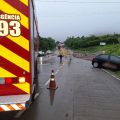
(46, 44)
(116, 73)
(77, 43)
(91, 45)
(108, 49)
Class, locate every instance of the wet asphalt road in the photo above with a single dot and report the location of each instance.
(84, 93)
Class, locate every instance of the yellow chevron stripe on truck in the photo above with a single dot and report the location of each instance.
(21, 41)
(23, 86)
(5, 7)
(24, 2)
(14, 58)
(6, 73)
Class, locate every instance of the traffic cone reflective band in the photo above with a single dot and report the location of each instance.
(52, 84)
(12, 107)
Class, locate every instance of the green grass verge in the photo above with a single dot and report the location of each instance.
(116, 73)
(109, 49)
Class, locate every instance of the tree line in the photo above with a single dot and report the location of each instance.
(84, 42)
(46, 44)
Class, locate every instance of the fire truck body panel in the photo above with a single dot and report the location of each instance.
(18, 54)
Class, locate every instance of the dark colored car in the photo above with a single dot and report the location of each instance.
(107, 61)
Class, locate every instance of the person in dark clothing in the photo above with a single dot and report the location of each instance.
(60, 58)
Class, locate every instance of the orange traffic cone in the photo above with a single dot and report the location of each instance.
(52, 84)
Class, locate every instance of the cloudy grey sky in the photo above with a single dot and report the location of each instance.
(61, 18)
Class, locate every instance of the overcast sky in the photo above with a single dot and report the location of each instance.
(62, 18)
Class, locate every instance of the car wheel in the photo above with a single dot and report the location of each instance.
(95, 64)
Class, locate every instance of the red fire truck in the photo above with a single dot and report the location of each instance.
(18, 54)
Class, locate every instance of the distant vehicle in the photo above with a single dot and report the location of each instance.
(41, 53)
(106, 61)
(48, 52)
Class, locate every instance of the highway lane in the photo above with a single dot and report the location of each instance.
(84, 93)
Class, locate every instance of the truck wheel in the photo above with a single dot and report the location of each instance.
(95, 64)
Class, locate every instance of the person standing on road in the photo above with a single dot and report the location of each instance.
(61, 54)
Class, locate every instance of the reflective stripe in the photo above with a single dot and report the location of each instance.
(53, 79)
(10, 107)
(15, 106)
(1, 109)
(52, 74)
(4, 107)
(21, 106)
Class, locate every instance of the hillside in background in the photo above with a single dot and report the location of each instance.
(92, 44)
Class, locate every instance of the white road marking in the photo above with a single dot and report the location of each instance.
(36, 95)
(45, 64)
(47, 82)
(111, 74)
(57, 71)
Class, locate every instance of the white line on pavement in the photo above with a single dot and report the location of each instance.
(56, 71)
(47, 82)
(36, 95)
(111, 74)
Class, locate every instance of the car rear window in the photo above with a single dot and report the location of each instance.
(115, 59)
(103, 57)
